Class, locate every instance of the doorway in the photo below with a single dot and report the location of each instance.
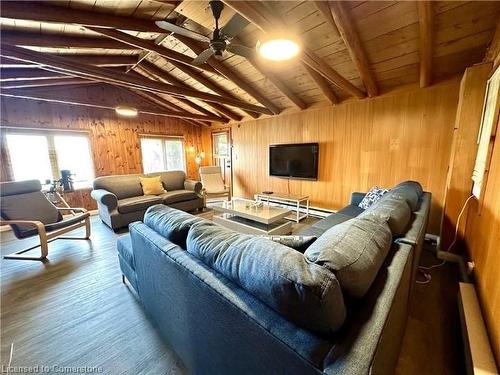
(221, 146)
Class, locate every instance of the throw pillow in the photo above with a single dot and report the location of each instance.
(372, 197)
(152, 185)
(299, 243)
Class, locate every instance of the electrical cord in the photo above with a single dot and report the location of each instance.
(425, 270)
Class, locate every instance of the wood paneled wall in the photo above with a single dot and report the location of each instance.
(114, 140)
(402, 135)
(464, 149)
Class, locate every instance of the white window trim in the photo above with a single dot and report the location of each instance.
(50, 134)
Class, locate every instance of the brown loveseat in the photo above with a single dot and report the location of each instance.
(120, 198)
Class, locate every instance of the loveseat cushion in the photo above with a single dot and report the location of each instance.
(171, 223)
(176, 196)
(172, 180)
(123, 186)
(394, 208)
(139, 203)
(354, 251)
(351, 210)
(303, 292)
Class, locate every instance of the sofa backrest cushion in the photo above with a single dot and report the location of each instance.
(393, 208)
(411, 191)
(172, 180)
(305, 293)
(354, 251)
(171, 223)
(123, 186)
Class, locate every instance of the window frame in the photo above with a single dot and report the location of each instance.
(478, 191)
(163, 138)
(49, 134)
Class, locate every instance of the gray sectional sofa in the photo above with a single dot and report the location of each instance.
(229, 303)
(121, 201)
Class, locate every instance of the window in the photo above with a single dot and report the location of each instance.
(42, 156)
(486, 132)
(163, 154)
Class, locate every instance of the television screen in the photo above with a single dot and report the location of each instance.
(294, 160)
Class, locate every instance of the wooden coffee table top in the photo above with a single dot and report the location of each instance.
(265, 214)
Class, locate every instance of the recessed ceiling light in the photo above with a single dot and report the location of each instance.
(126, 111)
(278, 48)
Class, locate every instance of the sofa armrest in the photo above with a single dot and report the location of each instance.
(356, 198)
(193, 185)
(105, 197)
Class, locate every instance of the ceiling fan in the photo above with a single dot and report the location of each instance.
(221, 38)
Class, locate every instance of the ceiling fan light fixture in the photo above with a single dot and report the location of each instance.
(278, 48)
(126, 111)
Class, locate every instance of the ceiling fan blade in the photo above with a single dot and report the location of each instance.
(203, 57)
(165, 25)
(240, 50)
(234, 26)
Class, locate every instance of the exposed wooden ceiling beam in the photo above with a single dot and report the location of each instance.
(44, 12)
(154, 97)
(156, 100)
(206, 82)
(322, 83)
(7, 74)
(98, 60)
(52, 98)
(268, 23)
(324, 8)
(345, 25)
(28, 39)
(280, 85)
(231, 75)
(151, 46)
(109, 76)
(25, 83)
(425, 21)
(158, 73)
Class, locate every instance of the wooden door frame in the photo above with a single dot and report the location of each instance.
(230, 141)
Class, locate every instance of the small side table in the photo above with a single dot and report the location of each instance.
(297, 200)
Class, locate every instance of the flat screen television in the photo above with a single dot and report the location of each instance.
(298, 160)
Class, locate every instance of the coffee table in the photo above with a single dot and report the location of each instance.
(237, 215)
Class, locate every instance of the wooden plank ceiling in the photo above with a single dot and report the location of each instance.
(351, 49)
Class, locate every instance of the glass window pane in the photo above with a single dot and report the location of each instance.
(221, 144)
(175, 155)
(73, 154)
(29, 156)
(152, 155)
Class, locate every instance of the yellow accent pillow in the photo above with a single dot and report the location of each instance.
(152, 185)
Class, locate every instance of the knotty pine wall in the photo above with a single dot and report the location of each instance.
(114, 140)
(405, 134)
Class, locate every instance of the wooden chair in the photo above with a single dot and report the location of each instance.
(213, 184)
(28, 212)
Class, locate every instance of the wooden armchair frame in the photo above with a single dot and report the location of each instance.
(46, 238)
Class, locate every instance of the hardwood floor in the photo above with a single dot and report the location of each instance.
(74, 311)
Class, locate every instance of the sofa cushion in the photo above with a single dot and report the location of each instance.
(351, 210)
(410, 191)
(152, 185)
(137, 203)
(354, 250)
(331, 221)
(123, 186)
(394, 208)
(297, 242)
(171, 223)
(178, 196)
(124, 247)
(304, 293)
